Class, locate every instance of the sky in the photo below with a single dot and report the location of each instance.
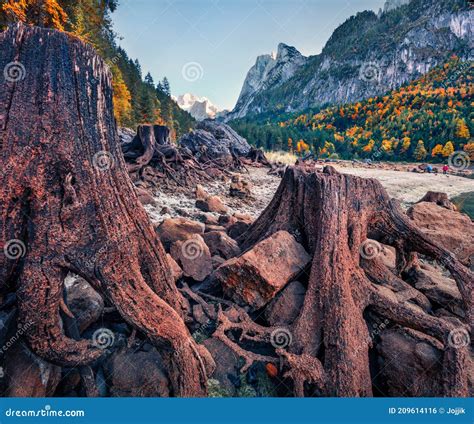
(206, 47)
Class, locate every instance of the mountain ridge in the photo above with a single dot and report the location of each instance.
(365, 56)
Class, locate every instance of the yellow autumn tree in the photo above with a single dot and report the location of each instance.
(437, 150)
(462, 130)
(45, 13)
(448, 149)
(122, 97)
(301, 146)
(420, 151)
(469, 149)
(406, 141)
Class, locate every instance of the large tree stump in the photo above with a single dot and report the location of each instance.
(340, 220)
(67, 204)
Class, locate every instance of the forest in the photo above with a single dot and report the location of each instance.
(427, 119)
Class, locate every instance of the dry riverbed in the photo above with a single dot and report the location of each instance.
(407, 187)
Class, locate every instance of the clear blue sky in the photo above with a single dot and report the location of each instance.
(223, 37)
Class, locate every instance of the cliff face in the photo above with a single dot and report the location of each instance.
(367, 55)
(268, 72)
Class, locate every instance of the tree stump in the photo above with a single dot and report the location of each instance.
(67, 204)
(341, 220)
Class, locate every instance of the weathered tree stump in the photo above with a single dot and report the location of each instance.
(340, 220)
(68, 204)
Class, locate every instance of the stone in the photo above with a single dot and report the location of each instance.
(28, 375)
(145, 197)
(410, 364)
(211, 204)
(221, 244)
(193, 256)
(236, 229)
(176, 270)
(451, 229)
(285, 308)
(174, 229)
(256, 277)
(136, 374)
(200, 192)
(83, 301)
(436, 287)
(441, 199)
(210, 228)
(227, 363)
(239, 187)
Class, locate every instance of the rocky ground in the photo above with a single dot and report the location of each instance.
(407, 187)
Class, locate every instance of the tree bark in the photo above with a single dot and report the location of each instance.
(334, 216)
(68, 204)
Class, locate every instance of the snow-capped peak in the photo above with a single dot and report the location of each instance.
(200, 108)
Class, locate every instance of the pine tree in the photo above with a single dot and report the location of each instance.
(166, 86)
(420, 151)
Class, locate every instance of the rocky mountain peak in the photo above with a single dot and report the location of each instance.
(199, 108)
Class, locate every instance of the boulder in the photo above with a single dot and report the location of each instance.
(259, 274)
(441, 199)
(211, 204)
(436, 287)
(410, 364)
(200, 192)
(126, 135)
(236, 229)
(214, 140)
(145, 197)
(28, 375)
(176, 270)
(210, 228)
(227, 363)
(240, 187)
(453, 230)
(221, 244)
(286, 306)
(193, 256)
(83, 301)
(136, 374)
(174, 229)
(207, 218)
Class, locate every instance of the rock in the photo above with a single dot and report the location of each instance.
(193, 256)
(211, 204)
(226, 220)
(437, 288)
(217, 261)
(28, 375)
(236, 229)
(83, 301)
(176, 270)
(410, 364)
(259, 274)
(221, 244)
(453, 230)
(165, 210)
(239, 187)
(286, 306)
(441, 199)
(145, 197)
(126, 135)
(174, 229)
(210, 228)
(215, 140)
(136, 374)
(226, 361)
(201, 194)
(207, 218)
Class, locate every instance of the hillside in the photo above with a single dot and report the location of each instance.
(366, 56)
(426, 119)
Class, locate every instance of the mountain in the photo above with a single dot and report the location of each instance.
(199, 108)
(367, 55)
(269, 70)
(429, 118)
